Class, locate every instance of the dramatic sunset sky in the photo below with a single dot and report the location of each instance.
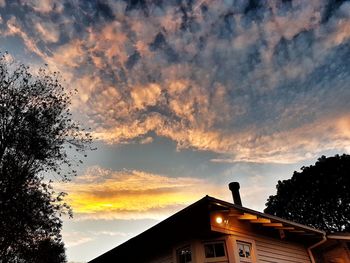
(186, 96)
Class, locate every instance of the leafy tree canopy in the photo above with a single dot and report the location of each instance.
(36, 130)
(318, 196)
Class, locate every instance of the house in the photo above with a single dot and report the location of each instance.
(215, 231)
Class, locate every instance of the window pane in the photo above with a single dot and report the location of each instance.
(219, 250)
(209, 251)
(247, 251)
(244, 250)
(184, 255)
(241, 251)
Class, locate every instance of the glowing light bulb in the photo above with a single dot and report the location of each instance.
(219, 220)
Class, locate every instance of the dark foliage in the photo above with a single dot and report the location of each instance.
(46, 251)
(35, 130)
(318, 196)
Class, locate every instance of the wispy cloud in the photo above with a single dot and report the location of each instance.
(77, 238)
(43, 6)
(14, 28)
(48, 32)
(107, 194)
(73, 239)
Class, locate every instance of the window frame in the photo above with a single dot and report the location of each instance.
(215, 259)
(251, 242)
(245, 244)
(183, 247)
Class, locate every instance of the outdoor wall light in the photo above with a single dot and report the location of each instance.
(218, 219)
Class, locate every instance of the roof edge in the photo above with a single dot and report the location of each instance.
(248, 210)
(200, 201)
(345, 236)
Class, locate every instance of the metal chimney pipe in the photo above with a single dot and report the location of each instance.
(234, 187)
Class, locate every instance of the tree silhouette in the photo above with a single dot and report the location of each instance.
(318, 196)
(46, 251)
(36, 131)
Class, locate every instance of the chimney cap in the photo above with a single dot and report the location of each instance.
(234, 186)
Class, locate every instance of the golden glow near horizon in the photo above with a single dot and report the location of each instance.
(102, 193)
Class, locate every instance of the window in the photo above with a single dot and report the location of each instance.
(244, 251)
(214, 250)
(184, 255)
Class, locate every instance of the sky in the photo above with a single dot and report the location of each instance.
(185, 96)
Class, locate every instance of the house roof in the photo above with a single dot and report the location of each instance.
(339, 236)
(274, 219)
(192, 222)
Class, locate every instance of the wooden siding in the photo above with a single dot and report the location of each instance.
(280, 252)
(168, 258)
(265, 249)
(338, 253)
(268, 247)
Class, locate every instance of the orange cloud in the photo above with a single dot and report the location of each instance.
(15, 29)
(70, 55)
(48, 32)
(206, 97)
(44, 6)
(146, 95)
(101, 193)
(297, 144)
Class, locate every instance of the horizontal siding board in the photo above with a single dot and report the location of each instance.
(282, 245)
(164, 259)
(280, 252)
(264, 250)
(297, 248)
(273, 259)
(288, 258)
(266, 246)
(271, 250)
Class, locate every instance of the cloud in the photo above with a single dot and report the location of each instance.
(146, 140)
(44, 6)
(69, 55)
(145, 96)
(109, 233)
(14, 28)
(296, 144)
(107, 194)
(73, 239)
(77, 238)
(255, 83)
(48, 31)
